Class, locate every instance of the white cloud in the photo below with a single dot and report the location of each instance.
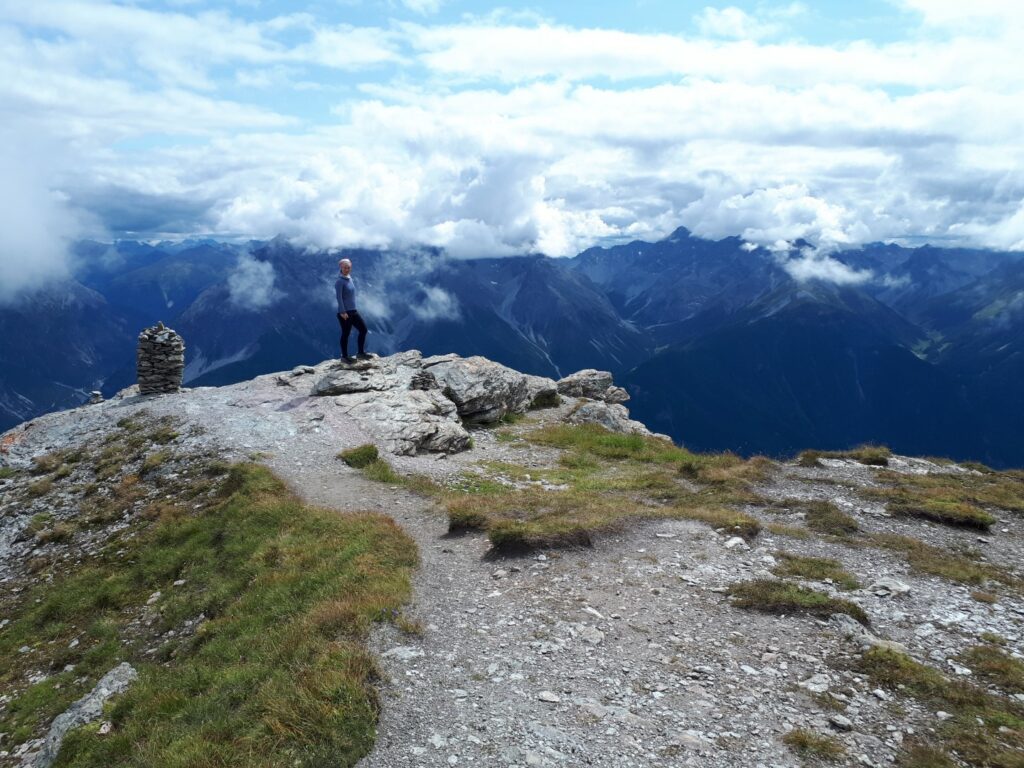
(733, 22)
(251, 284)
(435, 303)
(814, 266)
(37, 223)
(510, 134)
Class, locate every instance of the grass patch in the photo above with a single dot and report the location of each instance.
(44, 465)
(276, 674)
(936, 561)
(952, 498)
(598, 441)
(792, 531)
(871, 455)
(946, 512)
(917, 755)
(154, 461)
(985, 729)
(996, 667)
(602, 481)
(360, 456)
(382, 472)
(727, 520)
(814, 569)
(984, 597)
(39, 488)
(7, 472)
(826, 517)
(781, 597)
(815, 746)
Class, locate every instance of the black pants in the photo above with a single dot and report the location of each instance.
(353, 321)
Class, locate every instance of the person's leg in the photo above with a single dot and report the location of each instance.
(346, 331)
(341, 338)
(360, 325)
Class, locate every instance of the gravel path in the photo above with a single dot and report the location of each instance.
(626, 654)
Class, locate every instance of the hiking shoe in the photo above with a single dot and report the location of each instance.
(348, 360)
(364, 356)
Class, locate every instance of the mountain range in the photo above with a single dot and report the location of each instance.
(730, 347)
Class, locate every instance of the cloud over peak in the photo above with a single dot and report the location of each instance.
(493, 133)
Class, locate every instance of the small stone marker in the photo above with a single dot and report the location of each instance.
(160, 360)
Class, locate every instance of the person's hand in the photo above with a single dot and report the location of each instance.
(344, 315)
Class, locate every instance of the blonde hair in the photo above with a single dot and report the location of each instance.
(344, 261)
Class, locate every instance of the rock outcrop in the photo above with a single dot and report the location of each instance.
(409, 403)
(611, 416)
(485, 391)
(397, 402)
(86, 710)
(160, 360)
(595, 385)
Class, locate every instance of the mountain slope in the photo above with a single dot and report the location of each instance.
(807, 365)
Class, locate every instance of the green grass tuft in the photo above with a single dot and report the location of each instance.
(872, 455)
(936, 561)
(996, 667)
(781, 597)
(947, 512)
(382, 472)
(814, 569)
(361, 456)
(815, 746)
(826, 517)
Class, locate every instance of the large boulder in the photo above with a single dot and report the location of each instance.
(484, 391)
(396, 402)
(407, 421)
(596, 385)
(401, 371)
(611, 416)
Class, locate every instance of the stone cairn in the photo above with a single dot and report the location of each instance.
(160, 360)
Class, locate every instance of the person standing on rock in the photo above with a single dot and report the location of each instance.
(348, 315)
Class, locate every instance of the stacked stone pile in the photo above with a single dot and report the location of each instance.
(160, 360)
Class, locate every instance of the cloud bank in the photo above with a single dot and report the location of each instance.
(498, 134)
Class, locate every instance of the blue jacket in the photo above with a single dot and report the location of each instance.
(345, 291)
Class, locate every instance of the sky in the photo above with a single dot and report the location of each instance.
(491, 129)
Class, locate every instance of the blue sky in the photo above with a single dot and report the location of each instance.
(492, 129)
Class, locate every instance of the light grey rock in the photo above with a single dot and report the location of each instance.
(614, 418)
(395, 372)
(615, 395)
(95, 397)
(482, 390)
(549, 697)
(840, 723)
(408, 421)
(818, 683)
(542, 392)
(586, 383)
(886, 586)
(86, 710)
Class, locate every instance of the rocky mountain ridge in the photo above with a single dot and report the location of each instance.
(884, 622)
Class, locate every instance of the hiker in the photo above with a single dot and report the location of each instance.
(348, 315)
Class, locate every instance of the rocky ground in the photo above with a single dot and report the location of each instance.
(628, 653)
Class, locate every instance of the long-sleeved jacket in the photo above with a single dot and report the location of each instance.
(345, 291)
